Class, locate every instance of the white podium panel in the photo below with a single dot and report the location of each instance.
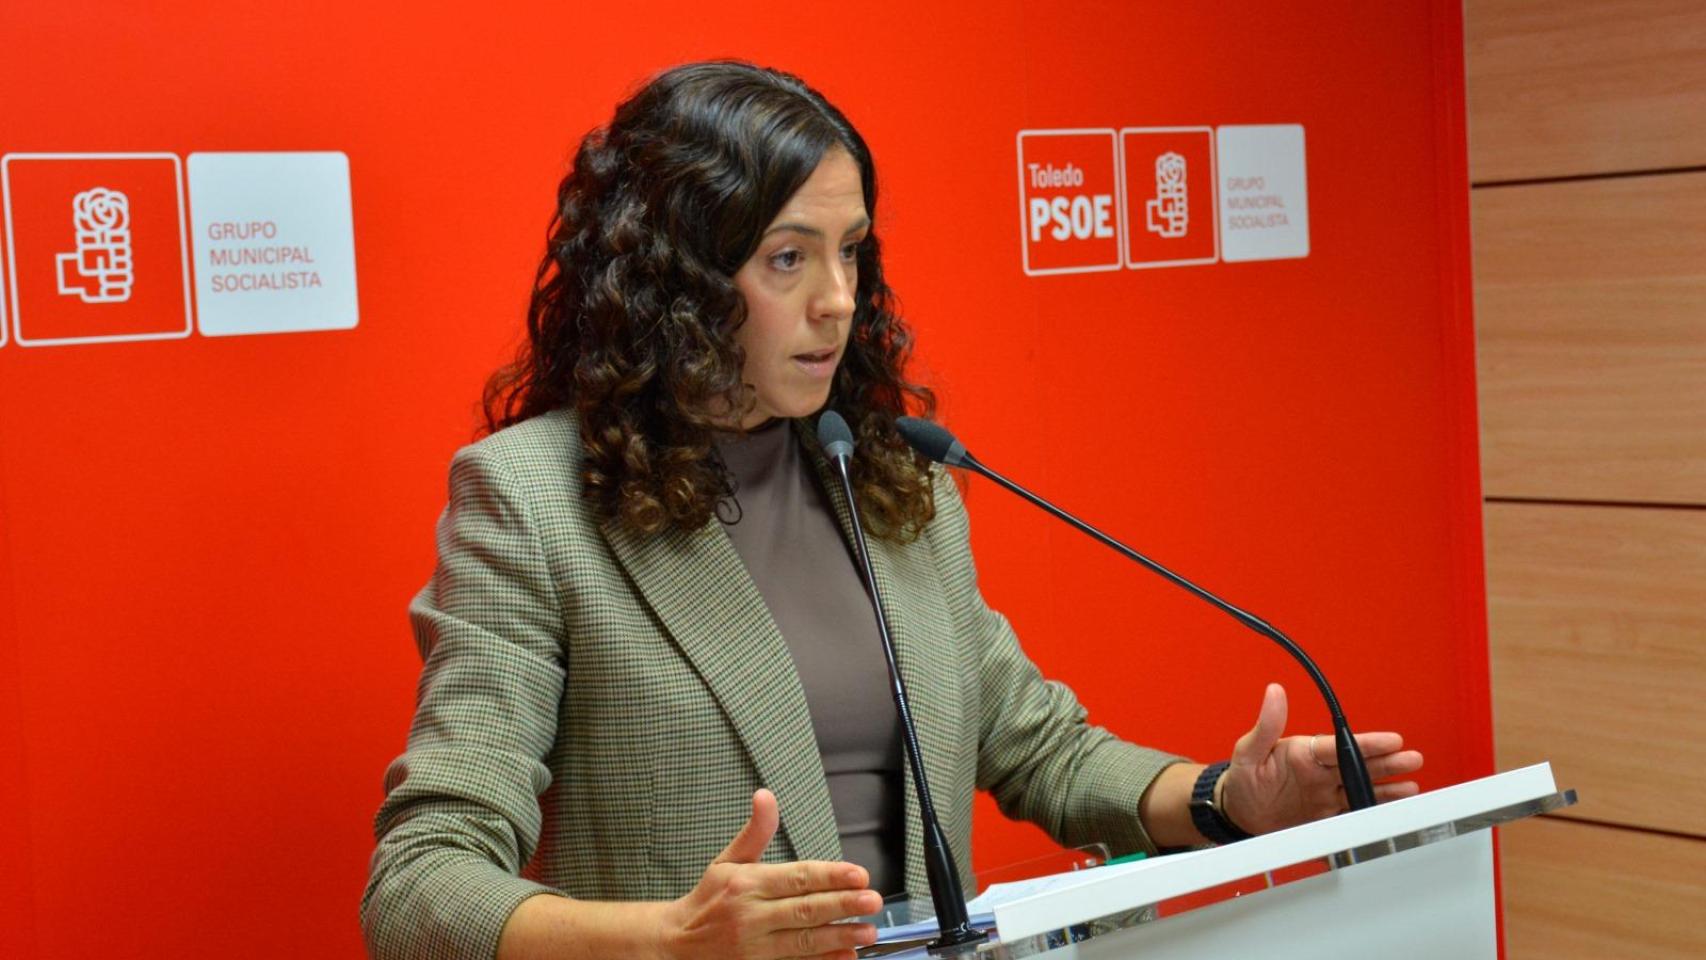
(1430, 903)
(1406, 880)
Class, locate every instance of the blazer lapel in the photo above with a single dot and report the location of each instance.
(926, 668)
(697, 585)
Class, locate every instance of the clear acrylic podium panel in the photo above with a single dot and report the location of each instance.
(1268, 887)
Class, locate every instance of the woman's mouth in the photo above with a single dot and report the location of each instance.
(818, 363)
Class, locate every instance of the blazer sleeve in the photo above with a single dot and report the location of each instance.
(461, 813)
(1037, 754)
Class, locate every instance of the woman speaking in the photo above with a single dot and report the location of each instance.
(654, 717)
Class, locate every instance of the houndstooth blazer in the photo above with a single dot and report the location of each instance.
(596, 708)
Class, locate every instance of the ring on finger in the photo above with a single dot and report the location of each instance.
(1315, 756)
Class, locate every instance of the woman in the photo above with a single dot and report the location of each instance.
(653, 718)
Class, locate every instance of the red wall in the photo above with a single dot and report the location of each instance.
(206, 545)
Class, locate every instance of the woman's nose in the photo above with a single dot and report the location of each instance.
(835, 299)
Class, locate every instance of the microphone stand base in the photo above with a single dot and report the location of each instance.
(959, 943)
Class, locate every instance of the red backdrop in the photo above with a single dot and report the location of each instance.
(206, 545)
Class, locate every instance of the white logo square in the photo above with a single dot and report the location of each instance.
(1264, 192)
(274, 242)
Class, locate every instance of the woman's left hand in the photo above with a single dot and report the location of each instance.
(1276, 782)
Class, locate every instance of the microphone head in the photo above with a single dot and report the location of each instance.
(834, 436)
(933, 440)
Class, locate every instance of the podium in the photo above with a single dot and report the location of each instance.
(1407, 880)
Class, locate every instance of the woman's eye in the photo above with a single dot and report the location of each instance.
(850, 252)
(786, 259)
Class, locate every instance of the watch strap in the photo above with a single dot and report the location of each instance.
(1210, 820)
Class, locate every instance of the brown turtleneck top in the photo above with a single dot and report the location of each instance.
(785, 532)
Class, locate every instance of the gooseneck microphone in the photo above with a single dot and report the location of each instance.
(936, 443)
(957, 935)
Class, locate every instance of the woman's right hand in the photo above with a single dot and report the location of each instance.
(746, 910)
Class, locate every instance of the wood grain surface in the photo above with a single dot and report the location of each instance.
(1591, 330)
(1570, 87)
(1597, 619)
(1576, 890)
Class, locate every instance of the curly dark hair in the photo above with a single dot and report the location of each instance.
(634, 306)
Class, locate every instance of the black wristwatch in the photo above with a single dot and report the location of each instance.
(1211, 821)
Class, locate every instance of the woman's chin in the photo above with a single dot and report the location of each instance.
(796, 407)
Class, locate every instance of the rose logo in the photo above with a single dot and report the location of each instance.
(102, 210)
(1170, 169)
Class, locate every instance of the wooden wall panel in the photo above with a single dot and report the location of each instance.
(1597, 618)
(1591, 334)
(1590, 303)
(1567, 87)
(1579, 890)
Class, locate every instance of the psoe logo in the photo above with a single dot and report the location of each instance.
(96, 250)
(1069, 213)
(1167, 175)
(99, 270)
(1169, 211)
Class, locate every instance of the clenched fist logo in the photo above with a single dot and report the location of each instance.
(99, 270)
(1168, 214)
